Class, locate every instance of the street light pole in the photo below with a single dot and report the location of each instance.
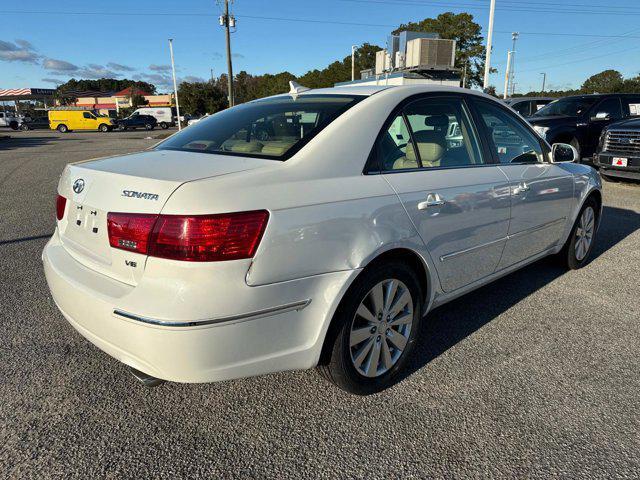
(487, 61)
(175, 84)
(506, 76)
(544, 80)
(512, 73)
(227, 21)
(353, 62)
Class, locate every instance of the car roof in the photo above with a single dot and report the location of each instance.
(400, 90)
(526, 99)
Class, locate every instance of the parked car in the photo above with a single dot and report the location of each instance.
(163, 115)
(9, 119)
(69, 120)
(527, 106)
(137, 121)
(35, 123)
(579, 120)
(315, 228)
(619, 150)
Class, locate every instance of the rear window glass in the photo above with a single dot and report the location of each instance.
(273, 128)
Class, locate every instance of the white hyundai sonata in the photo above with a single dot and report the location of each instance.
(316, 228)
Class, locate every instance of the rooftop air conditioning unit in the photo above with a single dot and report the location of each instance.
(432, 53)
(383, 62)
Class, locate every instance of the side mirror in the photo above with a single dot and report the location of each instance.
(563, 153)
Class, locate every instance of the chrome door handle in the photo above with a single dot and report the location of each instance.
(521, 188)
(433, 200)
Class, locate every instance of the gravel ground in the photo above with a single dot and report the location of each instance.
(535, 375)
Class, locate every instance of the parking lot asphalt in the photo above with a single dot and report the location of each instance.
(535, 375)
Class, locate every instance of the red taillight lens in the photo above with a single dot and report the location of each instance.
(61, 203)
(130, 231)
(208, 238)
(198, 238)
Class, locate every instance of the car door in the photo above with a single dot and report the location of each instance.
(541, 192)
(87, 121)
(432, 156)
(607, 111)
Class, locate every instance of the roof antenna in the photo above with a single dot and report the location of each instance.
(296, 88)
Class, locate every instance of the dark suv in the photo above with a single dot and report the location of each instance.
(619, 149)
(137, 121)
(579, 120)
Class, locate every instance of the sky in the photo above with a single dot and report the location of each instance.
(43, 43)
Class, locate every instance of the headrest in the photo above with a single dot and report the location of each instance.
(437, 121)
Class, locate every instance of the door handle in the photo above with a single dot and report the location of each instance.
(433, 200)
(521, 188)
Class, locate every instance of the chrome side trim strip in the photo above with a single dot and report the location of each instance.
(539, 227)
(243, 317)
(508, 237)
(471, 249)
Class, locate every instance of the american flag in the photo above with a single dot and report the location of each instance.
(14, 91)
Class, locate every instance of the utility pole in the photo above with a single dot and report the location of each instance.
(175, 84)
(506, 76)
(228, 21)
(353, 62)
(212, 80)
(464, 76)
(544, 80)
(487, 61)
(512, 73)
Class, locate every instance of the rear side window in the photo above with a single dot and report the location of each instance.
(429, 133)
(632, 105)
(271, 128)
(609, 108)
(512, 142)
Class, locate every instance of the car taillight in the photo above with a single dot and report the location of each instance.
(130, 231)
(196, 238)
(208, 238)
(61, 203)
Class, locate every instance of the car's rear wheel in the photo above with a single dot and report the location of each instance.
(24, 127)
(62, 128)
(576, 252)
(374, 329)
(164, 125)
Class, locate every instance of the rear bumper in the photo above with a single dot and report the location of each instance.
(284, 333)
(603, 161)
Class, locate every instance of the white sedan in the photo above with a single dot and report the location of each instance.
(316, 228)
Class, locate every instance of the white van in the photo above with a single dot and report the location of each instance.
(163, 115)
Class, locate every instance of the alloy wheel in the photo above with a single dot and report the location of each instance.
(584, 233)
(381, 327)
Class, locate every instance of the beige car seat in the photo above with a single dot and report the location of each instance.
(432, 144)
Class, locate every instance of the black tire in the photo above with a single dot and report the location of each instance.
(62, 128)
(337, 365)
(148, 126)
(14, 125)
(164, 125)
(103, 127)
(24, 127)
(576, 144)
(568, 256)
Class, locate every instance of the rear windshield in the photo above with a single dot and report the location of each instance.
(272, 128)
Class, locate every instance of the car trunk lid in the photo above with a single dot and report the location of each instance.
(137, 183)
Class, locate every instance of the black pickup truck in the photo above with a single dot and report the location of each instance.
(619, 150)
(579, 120)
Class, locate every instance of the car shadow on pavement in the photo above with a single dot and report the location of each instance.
(450, 324)
(24, 142)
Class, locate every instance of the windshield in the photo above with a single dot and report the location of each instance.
(274, 128)
(572, 107)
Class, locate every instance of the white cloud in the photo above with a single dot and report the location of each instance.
(192, 79)
(160, 68)
(118, 67)
(61, 66)
(20, 51)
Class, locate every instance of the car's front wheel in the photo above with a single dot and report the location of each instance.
(374, 329)
(148, 126)
(103, 128)
(576, 252)
(24, 127)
